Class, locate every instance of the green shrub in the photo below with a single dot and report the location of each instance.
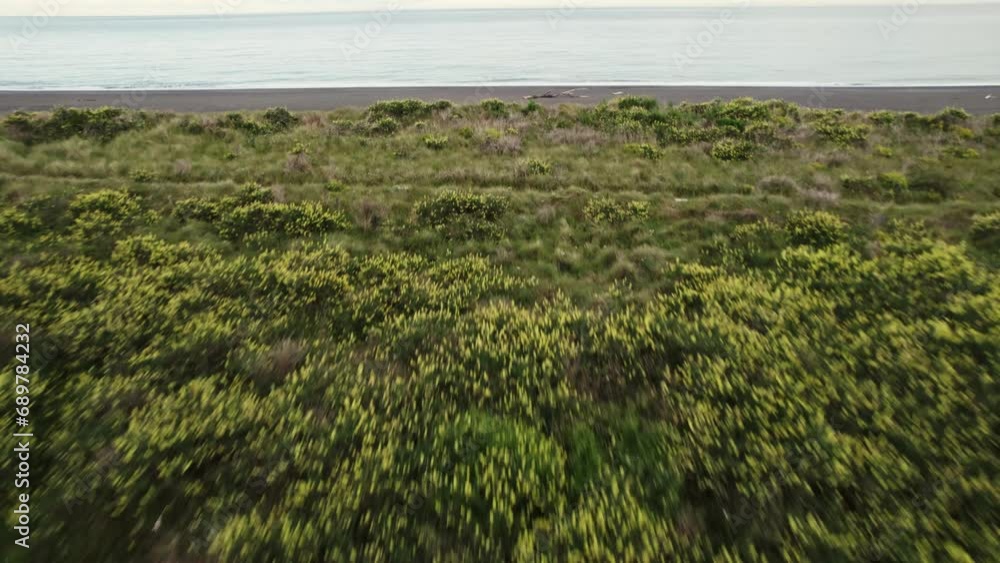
(632, 102)
(883, 151)
(405, 111)
(985, 230)
(778, 185)
(604, 210)
(236, 121)
(142, 176)
(462, 214)
(888, 185)
(280, 119)
(844, 135)
(933, 181)
(384, 126)
(104, 213)
(299, 148)
(534, 167)
(334, 186)
(495, 108)
(815, 228)
(944, 120)
(644, 150)
(197, 209)
(963, 153)
(895, 183)
(730, 150)
(102, 124)
(882, 117)
(435, 142)
(295, 220)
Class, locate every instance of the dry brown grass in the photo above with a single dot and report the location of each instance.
(507, 145)
(297, 163)
(370, 215)
(182, 168)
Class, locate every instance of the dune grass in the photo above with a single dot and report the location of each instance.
(725, 331)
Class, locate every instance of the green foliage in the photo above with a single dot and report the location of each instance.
(604, 210)
(843, 134)
(462, 214)
(102, 124)
(630, 102)
(778, 185)
(933, 182)
(334, 186)
(729, 150)
(249, 127)
(495, 108)
(220, 375)
(944, 120)
(882, 117)
(886, 186)
(985, 230)
(961, 152)
(291, 219)
(884, 151)
(404, 111)
(816, 228)
(535, 167)
(644, 150)
(384, 126)
(142, 175)
(252, 212)
(435, 142)
(280, 119)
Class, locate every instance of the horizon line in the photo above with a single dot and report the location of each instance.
(554, 8)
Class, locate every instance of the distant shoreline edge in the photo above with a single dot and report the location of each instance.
(925, 99)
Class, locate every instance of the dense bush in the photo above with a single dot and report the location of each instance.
(435, 142)
(606, 210)
(234, 375)
(534, 167)
(384, 126)
(629, 102)
(405, 111)
(102, 124)
(495, 108)
(644, 150)
(886, 186)
(985, 230)
(462, 214)
(815, 228)
(882, 117)
(843, 134)
(280, 119)
(728, 149)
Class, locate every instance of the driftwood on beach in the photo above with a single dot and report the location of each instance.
(555, 94)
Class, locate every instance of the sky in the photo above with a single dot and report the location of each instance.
(164, 7)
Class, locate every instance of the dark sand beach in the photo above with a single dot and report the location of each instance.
(975, 99)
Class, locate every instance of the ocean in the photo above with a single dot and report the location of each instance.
(904, 44)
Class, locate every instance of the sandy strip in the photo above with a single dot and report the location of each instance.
(975, 99)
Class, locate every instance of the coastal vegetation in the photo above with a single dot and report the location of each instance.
(729, 331)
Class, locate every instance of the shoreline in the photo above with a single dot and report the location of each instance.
(924, 99)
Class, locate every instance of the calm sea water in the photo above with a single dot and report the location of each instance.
(748, 44)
